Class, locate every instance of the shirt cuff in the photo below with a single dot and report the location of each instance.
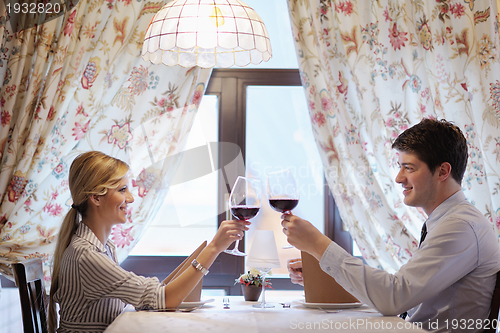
(332, 259)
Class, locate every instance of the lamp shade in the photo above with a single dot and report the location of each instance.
(263, 252)
(206, 33)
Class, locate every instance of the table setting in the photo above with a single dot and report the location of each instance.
(274, 311)
(233, 314)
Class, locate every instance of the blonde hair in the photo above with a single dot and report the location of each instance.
(91, 173)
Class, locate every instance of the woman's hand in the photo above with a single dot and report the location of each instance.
(228, 232)
(295, 269)
(304, 236)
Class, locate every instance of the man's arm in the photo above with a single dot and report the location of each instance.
(441, 262)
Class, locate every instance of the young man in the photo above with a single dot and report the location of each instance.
(450, 279)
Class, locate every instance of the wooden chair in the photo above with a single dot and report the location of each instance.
(494, 308)
(28, 276)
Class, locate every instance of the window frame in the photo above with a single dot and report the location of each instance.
(230, 87)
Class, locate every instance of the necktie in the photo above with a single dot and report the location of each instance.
(423, 233)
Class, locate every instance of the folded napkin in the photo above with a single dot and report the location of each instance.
(320, 287)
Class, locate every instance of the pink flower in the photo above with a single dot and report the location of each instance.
(348, 7)
(81, 110)
(457, 10)
(79, 130)
(197, 97)
(55, 210)
(54, 195)
(319, 118)
(312, 105)
(5, 118)
(386, 15)
(388, 123)
(397, 38)
(68, 29)
(121, 237)
(326, 103)
(161, 102)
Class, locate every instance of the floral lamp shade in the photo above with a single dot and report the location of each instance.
(206, 33)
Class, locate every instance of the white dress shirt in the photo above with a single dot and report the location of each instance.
(93, 288)
(446, 285)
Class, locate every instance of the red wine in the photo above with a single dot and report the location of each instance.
(244, 212)
(283, 205)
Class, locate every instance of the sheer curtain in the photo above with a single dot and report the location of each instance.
(371, 69)
(77, 83)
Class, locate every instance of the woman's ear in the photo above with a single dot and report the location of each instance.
(95, 200)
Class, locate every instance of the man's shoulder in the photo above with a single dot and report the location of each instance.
(465, 211)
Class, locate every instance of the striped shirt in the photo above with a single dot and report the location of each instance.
(93, 288)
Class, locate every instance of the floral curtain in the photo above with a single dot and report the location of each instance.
(77, 83)
(370, 70)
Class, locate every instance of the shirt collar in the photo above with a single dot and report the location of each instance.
(445, 207)
(84, 232)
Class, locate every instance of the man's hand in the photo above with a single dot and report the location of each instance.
(304, 236)
(295, 270)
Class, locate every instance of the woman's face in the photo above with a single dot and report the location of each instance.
(115, 201)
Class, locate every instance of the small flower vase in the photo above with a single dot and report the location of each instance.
(251, 292)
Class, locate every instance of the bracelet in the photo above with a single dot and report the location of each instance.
(199, 267)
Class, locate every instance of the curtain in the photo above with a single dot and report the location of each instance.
(370, 70)
(76, 83)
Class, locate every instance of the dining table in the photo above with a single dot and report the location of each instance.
(233, 314)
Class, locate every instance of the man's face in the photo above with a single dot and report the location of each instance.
(419, 184)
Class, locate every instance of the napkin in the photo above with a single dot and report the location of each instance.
(320, 287)
(195, 295)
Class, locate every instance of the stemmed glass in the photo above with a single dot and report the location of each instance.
(263, 256)
(282, 192)
(263, 272)
(244, 203)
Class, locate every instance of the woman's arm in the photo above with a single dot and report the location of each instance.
(228, 232)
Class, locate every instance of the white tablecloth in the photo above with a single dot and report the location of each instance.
(242, 317)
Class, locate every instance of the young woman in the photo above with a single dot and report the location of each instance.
(87, 282)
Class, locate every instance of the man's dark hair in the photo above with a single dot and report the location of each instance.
(435, 142)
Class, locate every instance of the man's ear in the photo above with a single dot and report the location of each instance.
(444, 171)
(95, 199)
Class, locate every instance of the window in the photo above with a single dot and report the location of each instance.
(279, 136)
(188, 216)
(245, 107)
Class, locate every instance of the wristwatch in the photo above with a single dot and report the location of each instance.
(199, 267)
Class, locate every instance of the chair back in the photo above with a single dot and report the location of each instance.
(29, 279)
(494, 308)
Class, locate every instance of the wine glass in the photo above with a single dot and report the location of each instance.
(263, 272)
(263, 256)
(282, 192)
(244, 203)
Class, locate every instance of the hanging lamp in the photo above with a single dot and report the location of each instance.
(206, 33)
